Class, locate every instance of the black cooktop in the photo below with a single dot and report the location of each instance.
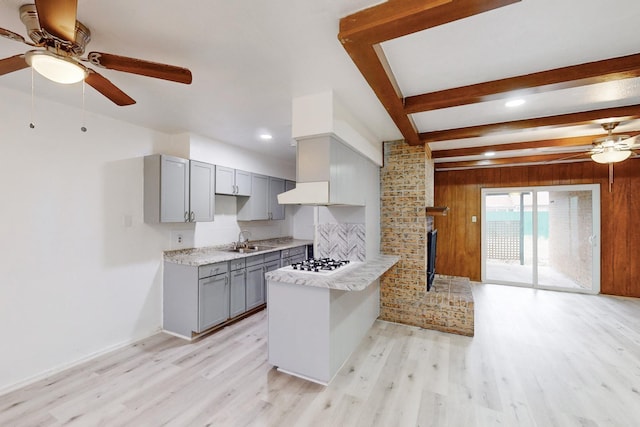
(319, 264)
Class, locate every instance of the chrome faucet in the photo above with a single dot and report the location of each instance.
(243, 243)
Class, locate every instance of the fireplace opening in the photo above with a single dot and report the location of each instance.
(432, 237)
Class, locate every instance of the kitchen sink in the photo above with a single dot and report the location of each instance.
(250, 249)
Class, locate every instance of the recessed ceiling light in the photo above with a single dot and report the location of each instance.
(266, 137)
(490, 153)
(514, 103)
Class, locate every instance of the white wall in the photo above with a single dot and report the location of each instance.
(81, 272)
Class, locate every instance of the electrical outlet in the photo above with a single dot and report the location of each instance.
(177, 238)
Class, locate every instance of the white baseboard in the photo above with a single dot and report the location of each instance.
(30, 380)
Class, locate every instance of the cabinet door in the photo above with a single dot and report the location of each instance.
(213, 301)
(269, 266)
(238, 303)
(174, 189)
(225, 180)
(243, 183)
(256, 206)
(289, 185)
(255, 286)
(276, 186)
(202, 191)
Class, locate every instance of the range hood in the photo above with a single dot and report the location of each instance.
(306, 193)
(328, 174)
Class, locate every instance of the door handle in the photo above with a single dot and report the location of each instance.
(592, 240)
(192, 217)
(186, 216)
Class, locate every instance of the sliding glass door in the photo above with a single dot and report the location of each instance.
(542, 237)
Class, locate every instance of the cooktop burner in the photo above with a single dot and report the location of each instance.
(318, 265)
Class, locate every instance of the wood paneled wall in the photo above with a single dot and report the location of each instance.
(459, 242)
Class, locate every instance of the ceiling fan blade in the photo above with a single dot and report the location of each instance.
(108, 89)
(570, 157)
(632, 142)
(13, 63)
(138, 66)
(13, 36)
(58, 17)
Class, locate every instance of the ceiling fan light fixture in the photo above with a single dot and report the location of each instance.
(611, 155)
(54, 67)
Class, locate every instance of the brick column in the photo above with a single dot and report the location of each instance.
(404, 179)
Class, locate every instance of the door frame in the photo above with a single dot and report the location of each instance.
(595, 208)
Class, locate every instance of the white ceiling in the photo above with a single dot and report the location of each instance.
(518, 39)
(250, 58)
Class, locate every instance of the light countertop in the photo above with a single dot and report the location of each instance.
(353, 278)
(212, 254)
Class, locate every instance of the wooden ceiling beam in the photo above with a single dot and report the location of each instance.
(583, 117)
(623, 67)
(362, 32)
(513, 161)
(559, 142)
(397, 18)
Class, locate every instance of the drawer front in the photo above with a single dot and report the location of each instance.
(272, 256)
(285, 253)
(212, 269)
(237, 264)
(300, 250)
(255, 260)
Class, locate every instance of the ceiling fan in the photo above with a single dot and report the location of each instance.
(52, 25)
(612, 148)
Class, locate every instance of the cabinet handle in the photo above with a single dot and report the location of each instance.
(235, 189)
(186, 216)
(192, 217)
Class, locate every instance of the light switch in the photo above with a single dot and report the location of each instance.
(474, 218)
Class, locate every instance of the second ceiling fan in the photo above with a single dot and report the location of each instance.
(52, 25)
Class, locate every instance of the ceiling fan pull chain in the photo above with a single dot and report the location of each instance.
(31, 125)
(83, 127)
(610, 176)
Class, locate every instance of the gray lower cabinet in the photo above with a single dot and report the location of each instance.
(255, 281)
(194, 298)
(293, 255)
(213, 301)
(238, 296)
(198, 298)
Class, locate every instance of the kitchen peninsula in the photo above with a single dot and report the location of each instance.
(317, 321)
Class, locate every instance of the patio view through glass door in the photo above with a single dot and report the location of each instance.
(542, 237)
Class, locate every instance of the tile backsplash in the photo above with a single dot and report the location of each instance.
(341, 241)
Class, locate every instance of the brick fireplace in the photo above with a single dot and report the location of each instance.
(406, 189)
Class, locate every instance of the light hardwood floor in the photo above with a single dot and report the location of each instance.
(539, 358)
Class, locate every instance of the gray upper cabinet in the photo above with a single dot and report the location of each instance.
(276, 186)
(233, 182)
(178, 190)
(201, 191)
(255, 207)
(289, 185)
